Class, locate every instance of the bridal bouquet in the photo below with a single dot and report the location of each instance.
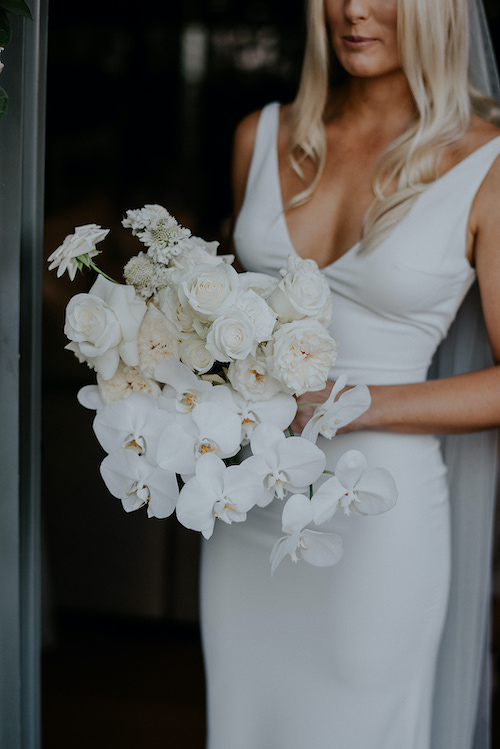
(193, 361)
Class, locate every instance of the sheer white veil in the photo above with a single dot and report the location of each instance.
(462, 699)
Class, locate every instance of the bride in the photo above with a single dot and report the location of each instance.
(385, 171)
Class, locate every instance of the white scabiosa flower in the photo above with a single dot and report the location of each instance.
(158, 230)
(146, 276)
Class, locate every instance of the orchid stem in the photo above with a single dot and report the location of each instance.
(332, 473)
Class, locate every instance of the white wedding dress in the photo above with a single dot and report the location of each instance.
(345, 657)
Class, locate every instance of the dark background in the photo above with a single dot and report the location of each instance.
(134, 118)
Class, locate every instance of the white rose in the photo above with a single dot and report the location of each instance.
(251, 378)
(169, 304)
(301, 356)
(103, 325)
(231, 336)
(259, 312)
(261, 283)
(78, 245)
(195, 355)
(302, 292)
(209, 289)
(157, 339)
(196, 251)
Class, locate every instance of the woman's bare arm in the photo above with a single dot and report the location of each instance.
(463, 403)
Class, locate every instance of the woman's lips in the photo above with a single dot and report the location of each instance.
(357, 42)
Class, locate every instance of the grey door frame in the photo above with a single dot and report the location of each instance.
(22, 135)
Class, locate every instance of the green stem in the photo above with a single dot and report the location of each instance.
(290, 431)
(315, 405)
(332, 473)
(92, 265)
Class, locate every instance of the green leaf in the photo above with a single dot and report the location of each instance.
(5, 30)
(18, 7)
(3, 103)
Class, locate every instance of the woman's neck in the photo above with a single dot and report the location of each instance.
(373, 101)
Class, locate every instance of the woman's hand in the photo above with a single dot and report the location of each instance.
(307, 402)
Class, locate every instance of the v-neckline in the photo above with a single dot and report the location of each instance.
(358, 243)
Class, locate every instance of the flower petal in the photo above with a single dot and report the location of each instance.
(326, 499)
(349, 468)
(320, 549)
(297, 513)
(282, 547)
(376, 492)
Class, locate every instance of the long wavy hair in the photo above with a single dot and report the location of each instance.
(433, 40)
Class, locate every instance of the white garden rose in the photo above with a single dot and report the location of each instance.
(231, 336)
(103, 325)
(301, 356)
(302, 292)
(251, 378)
(209, 289)
(259, 312)
(195, 355)
(157, 339)
(125, 381)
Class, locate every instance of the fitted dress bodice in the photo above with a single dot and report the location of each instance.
(392, 305)
(346, 657)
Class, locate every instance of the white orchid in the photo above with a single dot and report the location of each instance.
(137, 482)
(184, 391)
(355, 488)
(315, 547)
(77, 250)
(208, 428)
(334, 414)
(281, 464)
(278, 410)
(215, 492)
(134, 424)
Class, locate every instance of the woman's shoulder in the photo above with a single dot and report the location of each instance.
(478, 134)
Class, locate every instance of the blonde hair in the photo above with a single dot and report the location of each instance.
(433, 39)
